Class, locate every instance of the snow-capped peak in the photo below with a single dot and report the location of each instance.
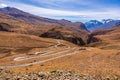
(106, 20)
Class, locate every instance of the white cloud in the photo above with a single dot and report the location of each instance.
(52, 13)
(3, 5)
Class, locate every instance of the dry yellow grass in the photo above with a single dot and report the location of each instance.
(94, 62)
(91, 62)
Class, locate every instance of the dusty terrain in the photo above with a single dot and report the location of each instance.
(44, 54)
(24, 50)
(107, 39)
(91, 62)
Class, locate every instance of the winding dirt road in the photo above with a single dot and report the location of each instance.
(68, 51)
(43, 55)
(38, 62)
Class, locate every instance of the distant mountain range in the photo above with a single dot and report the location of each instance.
(93, 25)
(104, 24)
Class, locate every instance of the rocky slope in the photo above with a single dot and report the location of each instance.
(52, 75)
(61, 33)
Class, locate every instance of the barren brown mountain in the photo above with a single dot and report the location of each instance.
(35, 25)
(41, 21)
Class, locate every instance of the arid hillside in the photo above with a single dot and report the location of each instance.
(14, 40)
(106, 39)
(14, 20)
(41, 21)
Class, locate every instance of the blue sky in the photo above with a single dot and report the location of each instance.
(73, 10)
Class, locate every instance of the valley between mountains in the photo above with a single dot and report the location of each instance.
(30, 43)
